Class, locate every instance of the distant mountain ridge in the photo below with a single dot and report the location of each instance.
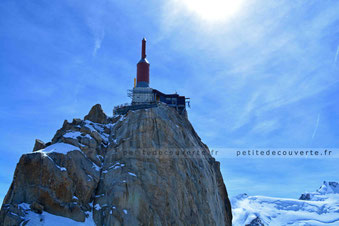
(326, 188)
(312, 208)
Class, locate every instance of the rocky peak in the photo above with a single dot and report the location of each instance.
(136, 169)
(39, 144)
(256, 222)
(97, 115)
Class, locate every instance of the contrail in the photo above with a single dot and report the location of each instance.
(316, 126)
(336, 55)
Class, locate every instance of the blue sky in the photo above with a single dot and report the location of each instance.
(260, 74)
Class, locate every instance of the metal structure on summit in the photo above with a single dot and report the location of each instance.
(144, 97)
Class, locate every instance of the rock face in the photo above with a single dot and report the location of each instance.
(146, 168)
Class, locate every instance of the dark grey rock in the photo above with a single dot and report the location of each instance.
(39, 144)
(36, 207)
(306, 196)
(256, 222)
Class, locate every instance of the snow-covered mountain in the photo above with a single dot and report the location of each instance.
(314, 208)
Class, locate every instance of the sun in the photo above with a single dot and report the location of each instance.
(213, 10)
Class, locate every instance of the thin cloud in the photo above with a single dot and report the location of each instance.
(98, 40)
(265, 127)
(247, 112)
(96, 14)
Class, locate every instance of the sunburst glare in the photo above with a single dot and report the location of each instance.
(213, 10)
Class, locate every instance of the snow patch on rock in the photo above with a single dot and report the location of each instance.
(61, 148)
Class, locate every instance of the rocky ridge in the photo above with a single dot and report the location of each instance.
(104, 169)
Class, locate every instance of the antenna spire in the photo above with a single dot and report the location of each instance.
(143, 51)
